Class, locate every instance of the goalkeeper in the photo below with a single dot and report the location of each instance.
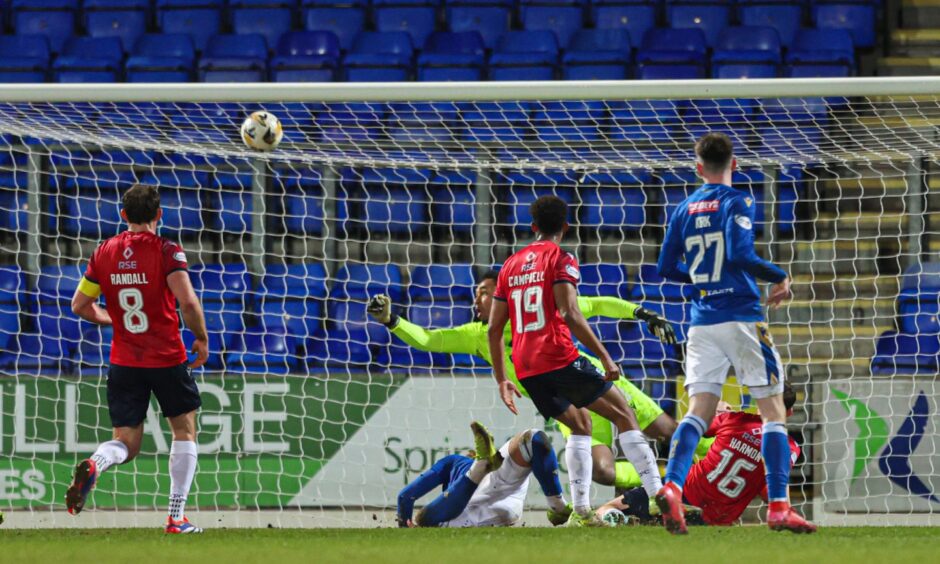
(470, 338)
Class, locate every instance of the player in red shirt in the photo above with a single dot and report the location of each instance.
(730, 476)
(537, 291)
(141, 276)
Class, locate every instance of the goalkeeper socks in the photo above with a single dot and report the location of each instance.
(775, 448)
(108, 454)
(637, 450)
(626, 476)
(182, 470)
(545, 469)
(450, 504)
(702, 448)
(684, 440)
(580, 467)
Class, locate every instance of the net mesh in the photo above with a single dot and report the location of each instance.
(311, 406)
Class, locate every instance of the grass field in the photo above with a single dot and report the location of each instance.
(749, 545)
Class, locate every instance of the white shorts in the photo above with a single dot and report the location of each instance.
(713, 349)
(500, 498)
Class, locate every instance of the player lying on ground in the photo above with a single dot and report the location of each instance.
(489, 489)
(470, 338)
(141, 276)
(537, 290)
(709, 243)
(731, 475)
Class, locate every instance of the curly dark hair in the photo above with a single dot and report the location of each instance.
(549, 214)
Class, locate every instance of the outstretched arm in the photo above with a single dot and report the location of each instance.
(453, 340)
(566, 300)
(427, 481)
(615, 308)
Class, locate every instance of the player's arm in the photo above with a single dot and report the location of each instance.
(739, 251)
(566, 300)
(179, 283)
(499, 316)
(670, 265)
(84, 306)
(453, 340)
(615, 308)
(427, 481)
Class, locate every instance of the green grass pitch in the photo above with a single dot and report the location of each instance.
(749, 545)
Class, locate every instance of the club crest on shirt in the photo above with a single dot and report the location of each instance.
(530, 257)
(179, 256)
(572, 271)
(128, 253)
(748, 201)
(743, 220)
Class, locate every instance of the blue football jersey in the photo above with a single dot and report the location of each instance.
(710, 243)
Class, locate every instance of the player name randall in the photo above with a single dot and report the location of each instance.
(524, 279)
(129, 278)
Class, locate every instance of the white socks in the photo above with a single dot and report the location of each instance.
(182, 470)
(108, 454)
(478, 470)
(637, 450)
(580, 467)
(556, 503)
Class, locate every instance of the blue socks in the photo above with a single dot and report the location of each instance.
(545, 465)
(775, 448)
(684, 441)
(449, 504)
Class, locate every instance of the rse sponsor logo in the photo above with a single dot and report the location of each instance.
(127, 265)
(743, 221)
(705, 206)
(573, 272)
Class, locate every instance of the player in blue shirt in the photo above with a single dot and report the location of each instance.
(709, 243)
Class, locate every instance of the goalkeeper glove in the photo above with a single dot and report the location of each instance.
(380, 307)
(657, 325)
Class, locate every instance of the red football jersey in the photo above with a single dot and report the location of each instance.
(732, 473)
(541, 341)
(131, 269)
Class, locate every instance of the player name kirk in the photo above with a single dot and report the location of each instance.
(129, 278)
(526, 279)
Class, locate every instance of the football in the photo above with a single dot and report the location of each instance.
(262, 131)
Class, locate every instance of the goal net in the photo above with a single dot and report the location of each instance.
(314, 414)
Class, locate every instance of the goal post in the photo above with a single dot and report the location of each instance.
(315, 415)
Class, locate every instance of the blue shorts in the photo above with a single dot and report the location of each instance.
(579, 384)
(129, 390)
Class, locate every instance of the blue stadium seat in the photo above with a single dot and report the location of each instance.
(901, 354)
(919, 299)
(94, 351)
(395, 201)
(124, 19)
(497, 121)
(350, 122)
(380, 57)
(672, 53)
(9, 328)
(452, 56)
(491, 21)
(161, 58)
(92, 214)
(519, 189)
(569, 121)
(644, 356)
(303, 202)
(362, 281)
(422, 121)
(345, 21)
(316, 53)
(182, 213)
(453, 201)
(89, 59)
(395, 15)
(351, 338)
(650, 286)
(433, 316)
(299, 280)
(613, 202)
(635, 17)
(269, 18)
(56, 284)
(604, 280)
(199, 19)
(785, 17)
(53, 18)
(832, 49)
(440, 282)
(561, 19)
(24, 58)
(679, 314)
(231, 204)
(525, 55)
(652, 71)
(37, 355)
(710, 17)
(921, 279)
(596, 54)
(13, 285)
(747, 52)
(266, 349)
(226, 53)
(858, 18)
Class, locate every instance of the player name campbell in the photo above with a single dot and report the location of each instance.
(523, 279)
(129, 278)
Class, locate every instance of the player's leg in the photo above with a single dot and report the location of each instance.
(532, 449)
(664, 427)
(450, 504)
(603, 464)
(128, 400)
(578, 457)
(761, 370)
(176, 392)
